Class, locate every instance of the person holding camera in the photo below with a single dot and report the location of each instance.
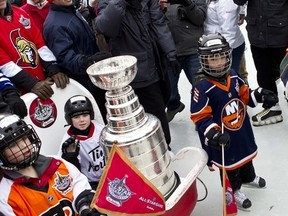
(80, 145)
(186, 19)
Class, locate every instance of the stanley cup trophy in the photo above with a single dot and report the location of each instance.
(138, 134)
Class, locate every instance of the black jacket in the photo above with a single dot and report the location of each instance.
(267, 22)
(142, 33)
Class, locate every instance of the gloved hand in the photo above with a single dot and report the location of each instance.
(71, 145)
(12, 98)
(216, 139)
(43, 89)
(265, 96)
(97, 57)
(134, 4)
(175, 66)
(61, 80)
(91, 212)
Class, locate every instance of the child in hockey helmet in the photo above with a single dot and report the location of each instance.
(19, 143)
(215, 55)
(80, 144)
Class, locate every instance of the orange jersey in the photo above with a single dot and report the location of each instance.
(50, 194)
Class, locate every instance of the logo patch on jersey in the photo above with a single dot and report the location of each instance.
(28, 55)
(25, 22)
(43, 113)
(118, 191)
(62, 183)
(233, 114)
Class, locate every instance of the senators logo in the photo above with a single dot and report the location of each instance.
(28, 55)
(233, 114)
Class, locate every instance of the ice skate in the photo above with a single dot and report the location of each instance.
(258, 182)
(268, 116)
(242, 201)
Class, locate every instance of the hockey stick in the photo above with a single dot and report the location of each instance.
(223, 175)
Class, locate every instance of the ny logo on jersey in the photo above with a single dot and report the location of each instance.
(233, 114)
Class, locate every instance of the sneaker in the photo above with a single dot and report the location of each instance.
(258, 182)
(242, 201)
(268, 116)
(171, 114)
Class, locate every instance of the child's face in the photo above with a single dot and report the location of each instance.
(217, 61)
(18, 151)
(81, 122)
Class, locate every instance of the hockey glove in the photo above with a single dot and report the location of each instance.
(97, 57)
(12, 98)
(267, 97)
(70, 151)
(71, 145)
(83, 202)
(61, 80)
(43, 89)
(216, 139)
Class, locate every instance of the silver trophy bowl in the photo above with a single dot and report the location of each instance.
(138, 134)
(113, 73)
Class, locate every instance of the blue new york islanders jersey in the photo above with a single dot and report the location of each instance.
(215, 105)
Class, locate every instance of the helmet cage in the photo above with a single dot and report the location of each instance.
(217, 73)
(214, 46)
(13, 133)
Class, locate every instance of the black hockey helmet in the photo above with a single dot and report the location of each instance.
(12, 131)
(78, 105)
(214, 46)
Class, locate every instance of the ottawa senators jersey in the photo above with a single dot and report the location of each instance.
(214, 104)
(22, 45)
(53, 193)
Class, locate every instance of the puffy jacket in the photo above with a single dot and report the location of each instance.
(186, 25)
(141, 33)
(267, 22)
(61, 32)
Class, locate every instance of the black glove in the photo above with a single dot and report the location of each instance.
(175, 66)
(91, 212)
(97, 57)
(70, 151)
(61, 80)
(267, 97)
(71, 145)
(134, 4)
(216, 139)
(11, 96)
(43, 89)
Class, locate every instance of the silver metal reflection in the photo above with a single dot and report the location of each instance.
(138, 134)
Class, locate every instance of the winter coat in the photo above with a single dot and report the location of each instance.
(141, 32)
(222, 17)
(267, 22)
(70, 38)
(186, 25)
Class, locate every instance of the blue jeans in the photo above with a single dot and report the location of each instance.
(190, 65)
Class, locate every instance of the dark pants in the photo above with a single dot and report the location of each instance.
(237, 177)
(267, 62)
(237, 55)
(152, 98)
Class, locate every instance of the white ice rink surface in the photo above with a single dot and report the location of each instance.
(270, 162)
